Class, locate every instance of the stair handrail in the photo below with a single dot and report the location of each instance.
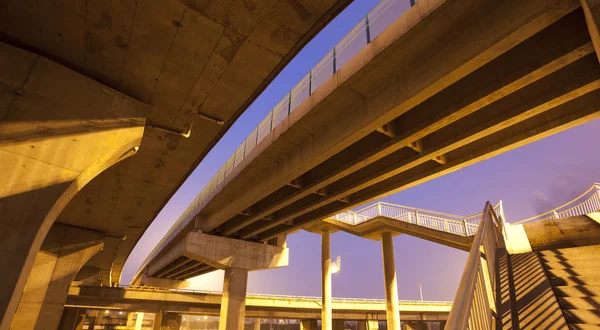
(591, 195)
(476, 294)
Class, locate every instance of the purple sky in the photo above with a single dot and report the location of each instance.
(529, 180)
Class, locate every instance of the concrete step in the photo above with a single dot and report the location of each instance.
(591, 262)
(581, 316)
(577, 291)
(570, 272)
(574, 253)
(574, 280)
(575, 326)
(584, 303)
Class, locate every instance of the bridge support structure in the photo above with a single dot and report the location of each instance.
(308, 325)
(368, 325)
(54, 139)
(391, 285)
(64, 251)
(233, 303)
(326, 313)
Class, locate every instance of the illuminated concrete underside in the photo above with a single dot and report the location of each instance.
(194, 64)
(409, 108)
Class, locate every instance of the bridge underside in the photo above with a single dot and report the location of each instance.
(545, 83)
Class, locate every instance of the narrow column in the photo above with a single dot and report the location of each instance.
(368, 325)
(170, 321)
(391, 287)
(64, 251)
(326, 281)
(308, 325)
(157, 320)
(72, 319)
(257, 323)
(139, 321)
(233, 303)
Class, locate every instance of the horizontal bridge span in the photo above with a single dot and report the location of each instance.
(206, 302)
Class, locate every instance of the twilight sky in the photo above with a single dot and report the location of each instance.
(529, 180)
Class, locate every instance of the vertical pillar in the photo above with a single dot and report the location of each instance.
(392, 311)
(338, 324)
(326, 312)
(158, 317)
(308, 325)
(233, 303)
(64, 251)
(139, 321)
(43, 166)
(72, 319)
(256, 323)
(170, 321)
(368, 325)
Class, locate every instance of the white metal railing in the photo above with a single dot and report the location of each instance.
(474, 305)
(446, 222)
(586, 203)
(386, 12)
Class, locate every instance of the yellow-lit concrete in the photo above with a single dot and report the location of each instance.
(64, 251)
(263, 306)
(201, 253)
(233, 303)
(308, 325)
(58, 130)
(326, 313)
(390, 281)
(516, 72)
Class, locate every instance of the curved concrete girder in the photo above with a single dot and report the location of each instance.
(54, 139)
(194, 63)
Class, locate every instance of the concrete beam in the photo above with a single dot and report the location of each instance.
(54, 139)
(222, 253)
(64, 251)
(163, 282)
(591, 9)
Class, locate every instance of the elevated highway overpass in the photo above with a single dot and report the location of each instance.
(445, 85)
(87, 84)
(257, 306)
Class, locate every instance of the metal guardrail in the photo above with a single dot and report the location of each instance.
(587, 202)
(446, 222)
(474, 306)
(264, 295)
(376, 21)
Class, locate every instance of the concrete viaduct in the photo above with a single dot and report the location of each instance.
(170, 304)
(86, 85)
(445, 85)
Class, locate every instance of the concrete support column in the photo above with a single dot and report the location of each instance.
(170, 321)
(338, 324)
(233, 303)
(326, 313)
(391, 287)
(308, 325)
(72, 319)
(60, 129)
(64, 251)
(256, 325)
(368, 325)
(158, 317)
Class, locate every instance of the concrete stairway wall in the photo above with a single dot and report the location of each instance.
(574, 274)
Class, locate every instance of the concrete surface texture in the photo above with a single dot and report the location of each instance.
(408, 108)
(202, 253)
(64, 251)
(54, 139)
(265, 306)
(196, 67)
